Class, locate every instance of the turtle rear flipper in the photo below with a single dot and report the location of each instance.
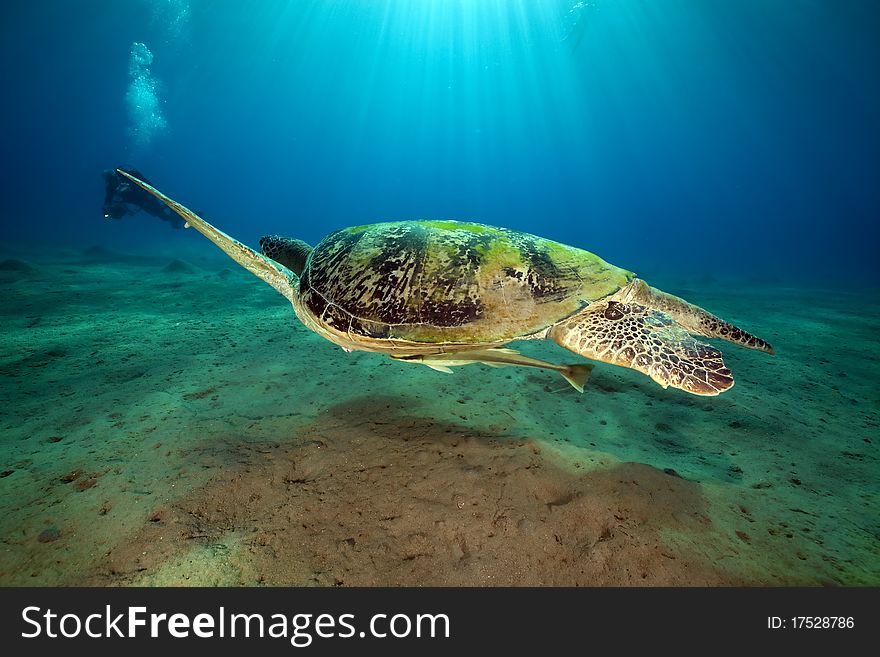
(646, 340)
(274, 273)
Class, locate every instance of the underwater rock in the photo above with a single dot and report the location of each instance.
(49, 534)
(178, 266)
(159, 515)
(85, 484)
(71, 476)
(18, 266)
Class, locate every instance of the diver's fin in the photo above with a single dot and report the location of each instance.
(275, 274)
(578, 375)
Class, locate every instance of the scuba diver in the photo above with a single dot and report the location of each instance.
(122, 198)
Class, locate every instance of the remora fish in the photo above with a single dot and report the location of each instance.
(576, 375)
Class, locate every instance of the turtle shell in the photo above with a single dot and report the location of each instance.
(448, 282)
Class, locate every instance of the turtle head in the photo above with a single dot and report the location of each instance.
(287, 251)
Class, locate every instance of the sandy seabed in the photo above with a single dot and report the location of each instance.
(169, 422)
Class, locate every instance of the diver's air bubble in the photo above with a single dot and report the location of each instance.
(144, 110)
(576, 22)
(173, 17)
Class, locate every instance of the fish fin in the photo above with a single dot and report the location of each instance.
(578, 375)
(439, 368)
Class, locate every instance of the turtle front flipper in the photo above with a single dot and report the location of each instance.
(646, 340)
(274, 273)
(693, 318)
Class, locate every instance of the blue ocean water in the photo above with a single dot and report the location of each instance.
(691, 136)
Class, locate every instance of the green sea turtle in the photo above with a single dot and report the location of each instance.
(447, 293)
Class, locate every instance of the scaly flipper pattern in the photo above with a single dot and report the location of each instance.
(648, 341)
(693, 318)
